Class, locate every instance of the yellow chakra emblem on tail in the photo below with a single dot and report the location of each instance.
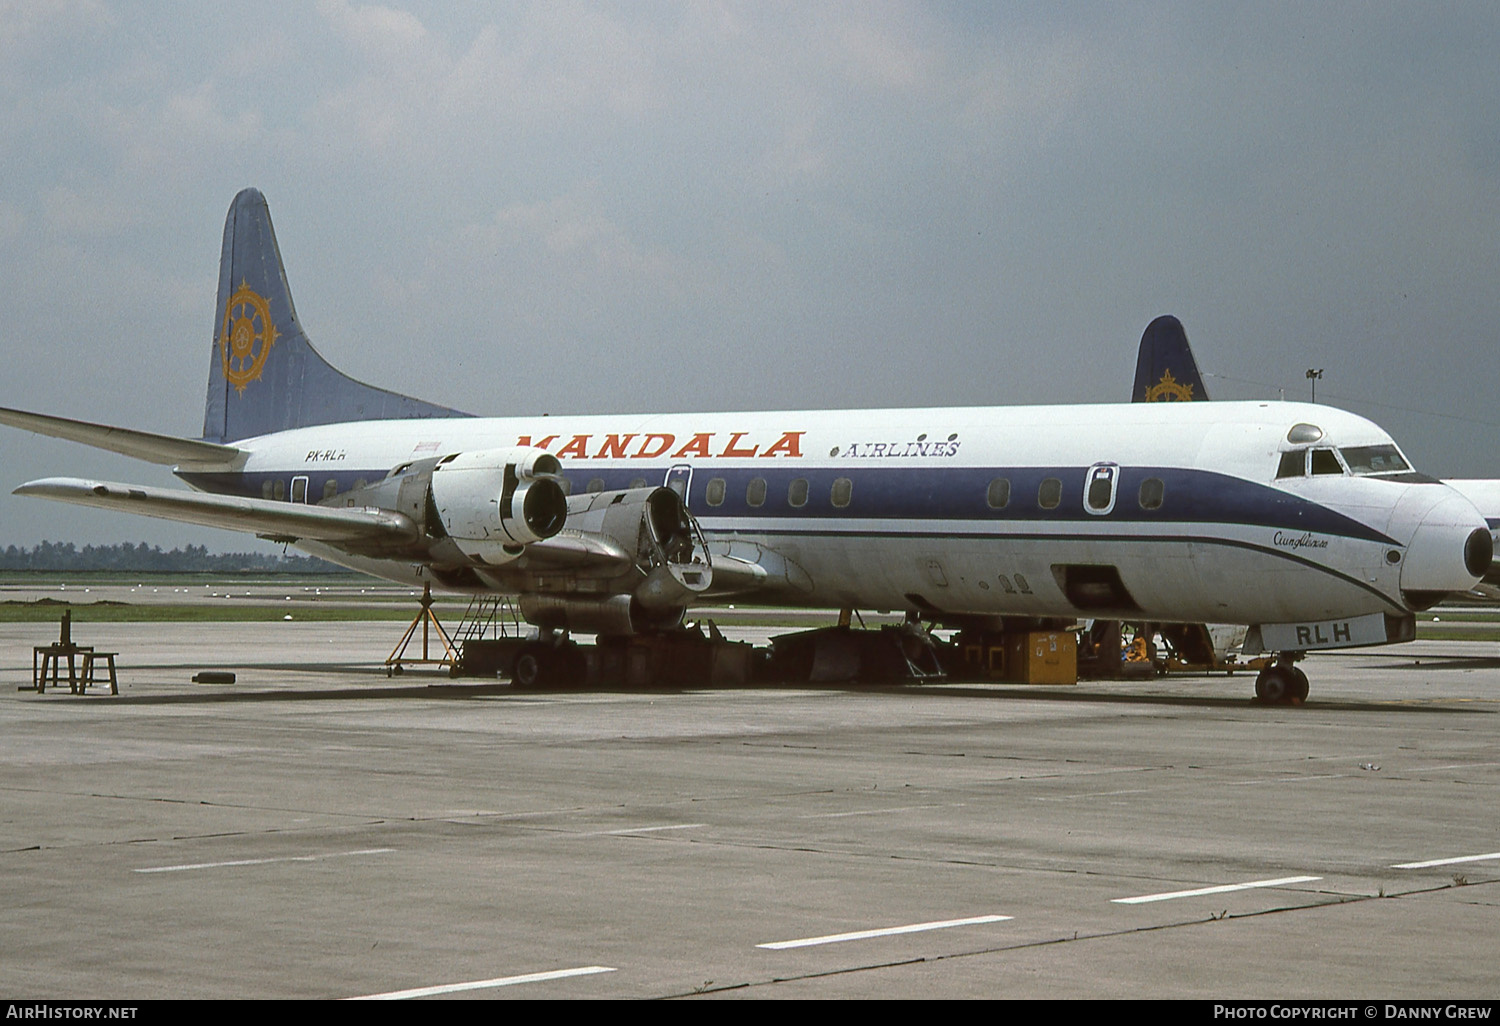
(247, 336)
(1168, 389)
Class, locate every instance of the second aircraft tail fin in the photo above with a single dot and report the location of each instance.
(1165, 371)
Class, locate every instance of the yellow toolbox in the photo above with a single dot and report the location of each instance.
(1043, 657)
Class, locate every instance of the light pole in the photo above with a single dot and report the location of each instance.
(1313, 376)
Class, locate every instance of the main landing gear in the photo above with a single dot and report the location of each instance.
(1281, 683)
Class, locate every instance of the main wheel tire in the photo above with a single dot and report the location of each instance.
(531, 670)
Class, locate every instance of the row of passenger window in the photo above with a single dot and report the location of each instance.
(1100, 497)
(839, 494)
(1151, 495)
(997, 496)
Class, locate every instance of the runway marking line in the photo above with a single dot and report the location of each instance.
(880, 812)
(1090, 794)
(262, 862)
(1221, 889)
(502, 981)
(889, 931)
(645, 830)
(1448, 862)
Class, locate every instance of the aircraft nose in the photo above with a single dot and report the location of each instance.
(1449, 551)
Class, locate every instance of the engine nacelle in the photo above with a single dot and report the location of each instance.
(494, 502)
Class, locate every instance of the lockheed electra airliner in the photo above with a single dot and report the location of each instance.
(616, 525)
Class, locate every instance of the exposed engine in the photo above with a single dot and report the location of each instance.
(651, 561)
(615, 563)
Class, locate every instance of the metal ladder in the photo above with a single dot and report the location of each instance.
(489, 617)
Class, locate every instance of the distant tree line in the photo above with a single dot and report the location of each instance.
(145, 558)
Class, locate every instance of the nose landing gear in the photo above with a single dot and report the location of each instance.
(1281, 683)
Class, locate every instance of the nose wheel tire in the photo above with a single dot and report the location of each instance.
(1281, 684)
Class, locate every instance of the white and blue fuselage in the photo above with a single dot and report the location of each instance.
(1169, 512)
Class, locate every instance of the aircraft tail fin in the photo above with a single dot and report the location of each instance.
(264, 374)
(1165, 370)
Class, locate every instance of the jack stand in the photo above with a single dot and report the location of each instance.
(393, 662)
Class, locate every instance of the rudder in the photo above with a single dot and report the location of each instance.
(264, 374)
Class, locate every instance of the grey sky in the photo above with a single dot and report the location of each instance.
(637, 206)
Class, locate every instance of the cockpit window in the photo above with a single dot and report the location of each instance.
(1374, 459)
(1293, 464)
(1325, 462)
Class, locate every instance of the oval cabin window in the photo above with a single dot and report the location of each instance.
(998, 494)
(1153, 491)
(1049, 495)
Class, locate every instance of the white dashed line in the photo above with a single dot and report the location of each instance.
(1448, 862)
(890, 931)
(878, 812)
(1223, 889)
(262, 862)
(502, 981)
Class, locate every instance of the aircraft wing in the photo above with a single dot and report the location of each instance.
(279, 521)
(141, 445)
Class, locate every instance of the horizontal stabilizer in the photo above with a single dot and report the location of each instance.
(141, 445)
(281, 521)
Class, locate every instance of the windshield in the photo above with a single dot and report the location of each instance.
(1374, 459)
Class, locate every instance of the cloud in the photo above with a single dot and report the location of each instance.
(83, 212)
(379, 33)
